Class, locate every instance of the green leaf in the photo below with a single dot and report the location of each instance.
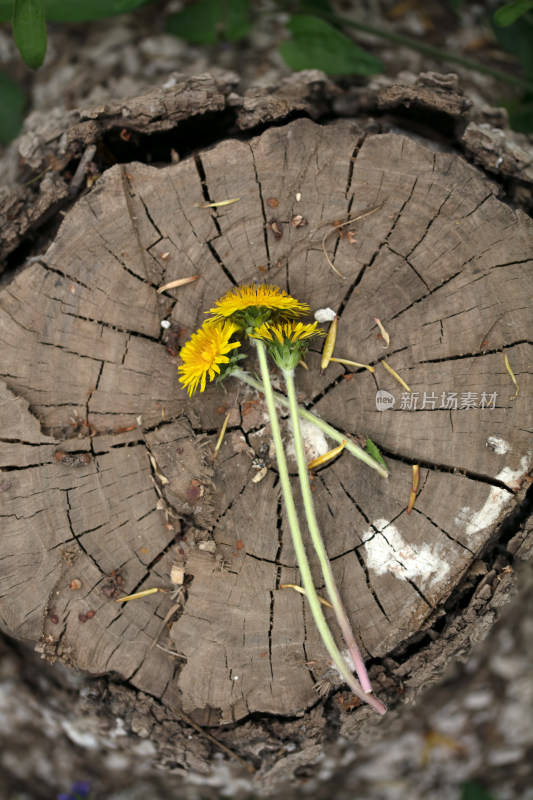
(210, 21)
(29, 31)
(473, 791)
(12, 103)
(510, 12)
(373, 451)
(316, 44)
(77, 10)
(323, 6)
(521, 115)
(518, 40)
(87, 10)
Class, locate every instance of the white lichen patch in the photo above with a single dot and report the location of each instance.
(387, 551)
(497, 498)
(499, 446)
(315, 443)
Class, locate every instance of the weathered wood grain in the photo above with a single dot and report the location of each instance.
(132, 491)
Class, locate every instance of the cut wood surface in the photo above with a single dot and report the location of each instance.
(108, 461)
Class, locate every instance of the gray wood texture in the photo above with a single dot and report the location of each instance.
(92, 414)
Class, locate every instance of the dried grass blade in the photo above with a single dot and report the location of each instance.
(302, 591)
(159, 475)
(414, 487)
(511, 373)
(218, 203)
(328, 259)
(384, 334)
(352, 363)
(329, 456)
(136, 596)
(178, 282)
(329, 344)
(395, 375)
(221, 436)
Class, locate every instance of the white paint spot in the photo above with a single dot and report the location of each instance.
(325, 315)
(462, 516)
(500, 446)
(497, 498)
(165, 324)
(387, 551)
(298, 197)
(315, 443)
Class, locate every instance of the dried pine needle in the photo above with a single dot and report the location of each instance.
(221, 436)
(302, 591)
(395, 375)
(329, 344)
(352, 363)
(414, 487)
(384, 334)
(178, 282)
(218, 203)
(140, 594)
(329, 456)
(511, 373)
(328, 259)
(336, 228)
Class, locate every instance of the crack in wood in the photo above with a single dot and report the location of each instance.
(433, 466)
(116, 328)
(214, 215)
(130, 193)
(369, 584)
(486, 352)
(263, 210)
(441, 529)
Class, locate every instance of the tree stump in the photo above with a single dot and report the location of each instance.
(107, 464)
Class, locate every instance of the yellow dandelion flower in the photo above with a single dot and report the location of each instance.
(204, 352)
(286, 333)
(258, 296)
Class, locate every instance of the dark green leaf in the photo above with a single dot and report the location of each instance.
(518, 40)
(316, 44)
(29, 31)
(12, 104)
(210, 21)
(455, 5)
(521, 116)
(373, 451)
(510, 12)
(323, 6)
(473, 791)
(77, 10)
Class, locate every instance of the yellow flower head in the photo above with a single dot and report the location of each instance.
(203, 353)
(286, 342)
(287, 333)
(260, 296)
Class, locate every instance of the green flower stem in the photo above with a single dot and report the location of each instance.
(318, 542)
(325, 427)
(299, 548)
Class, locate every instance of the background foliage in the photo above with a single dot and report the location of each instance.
(315, 36)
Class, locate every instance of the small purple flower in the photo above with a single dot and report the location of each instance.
(79, 790)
